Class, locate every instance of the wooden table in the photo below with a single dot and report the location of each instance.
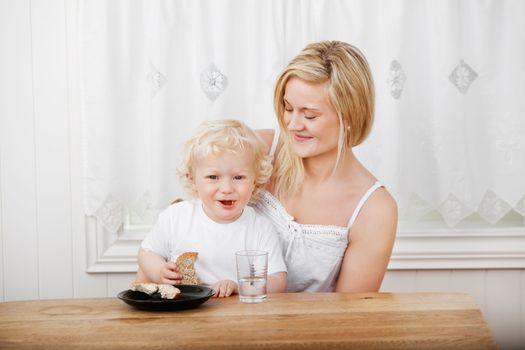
(284, 321)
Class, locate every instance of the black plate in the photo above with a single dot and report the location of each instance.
(191, 296)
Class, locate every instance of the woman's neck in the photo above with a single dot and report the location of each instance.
(320, 169)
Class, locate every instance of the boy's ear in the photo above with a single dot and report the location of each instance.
(189, 177)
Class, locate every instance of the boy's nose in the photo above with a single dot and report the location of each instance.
(226, 186)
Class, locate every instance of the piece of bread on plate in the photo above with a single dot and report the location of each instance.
(148, 288)
(167, 291)
(186, 264)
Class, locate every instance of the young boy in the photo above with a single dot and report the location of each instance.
(224, 168)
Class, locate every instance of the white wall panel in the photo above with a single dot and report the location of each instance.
(1, 222)
(19, 227)
(52, 148)
(433, 280)
(84, 285)
(504, 297)
(117, 282)
(521, 329)
(399, 281)
(472, 282)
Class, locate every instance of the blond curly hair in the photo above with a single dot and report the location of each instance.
(216, 137)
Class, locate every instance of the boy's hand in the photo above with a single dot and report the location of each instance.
(169, 274)
(225, 288)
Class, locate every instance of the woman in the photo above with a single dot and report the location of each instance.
(337, 222)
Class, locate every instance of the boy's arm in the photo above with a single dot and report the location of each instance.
(156, 269)
(277, 282)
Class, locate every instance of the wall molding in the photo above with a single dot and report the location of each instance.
(459, 249)
(500, 248)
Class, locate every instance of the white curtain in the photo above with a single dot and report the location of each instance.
(449, 134)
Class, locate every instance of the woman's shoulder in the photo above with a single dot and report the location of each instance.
(378, 214)
(255, 216)
(383, 201)
(267, 136)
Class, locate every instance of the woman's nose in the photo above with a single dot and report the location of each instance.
(294, 122)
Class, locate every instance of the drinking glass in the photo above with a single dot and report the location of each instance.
(252, 273)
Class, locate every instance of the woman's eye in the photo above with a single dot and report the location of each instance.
(310, 117)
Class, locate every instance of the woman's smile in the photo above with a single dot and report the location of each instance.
(301, 138)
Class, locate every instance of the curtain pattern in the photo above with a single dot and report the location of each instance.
(449, 132)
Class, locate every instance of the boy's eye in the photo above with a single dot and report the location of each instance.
(212, 177)
(239, 177)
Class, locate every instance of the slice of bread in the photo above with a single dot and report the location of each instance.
(148, 288)
(186, 264)
(167, 291)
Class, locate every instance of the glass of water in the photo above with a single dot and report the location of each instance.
(252, 272)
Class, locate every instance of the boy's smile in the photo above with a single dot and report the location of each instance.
(227, 203)
(224, 184)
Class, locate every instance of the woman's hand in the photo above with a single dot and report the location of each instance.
(225, 288)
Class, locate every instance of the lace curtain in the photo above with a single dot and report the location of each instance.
(449, 134)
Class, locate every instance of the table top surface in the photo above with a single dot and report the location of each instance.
(283, 321)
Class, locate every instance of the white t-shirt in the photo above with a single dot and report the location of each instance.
(185, 227)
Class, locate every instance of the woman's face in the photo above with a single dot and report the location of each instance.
(311, 121)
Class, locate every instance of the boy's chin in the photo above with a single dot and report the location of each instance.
(227, 219)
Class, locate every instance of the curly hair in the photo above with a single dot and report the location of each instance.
(216, 137)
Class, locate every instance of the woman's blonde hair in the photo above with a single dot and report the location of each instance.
(350, 92)
(213, 138)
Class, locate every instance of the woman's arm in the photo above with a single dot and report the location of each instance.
(371, 240)
(277, 283)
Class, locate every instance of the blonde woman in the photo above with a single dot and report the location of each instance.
(224, 167)
(337, 222)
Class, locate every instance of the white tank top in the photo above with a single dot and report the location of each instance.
(313, 253)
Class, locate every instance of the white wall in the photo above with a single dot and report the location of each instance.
(42, 227)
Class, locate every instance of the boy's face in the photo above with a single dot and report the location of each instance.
(225, 184)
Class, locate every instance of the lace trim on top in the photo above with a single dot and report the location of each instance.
(269, 201)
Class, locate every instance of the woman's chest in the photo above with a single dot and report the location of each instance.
(320, 208)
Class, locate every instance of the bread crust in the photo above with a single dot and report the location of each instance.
(186, 255)
(186, 264)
